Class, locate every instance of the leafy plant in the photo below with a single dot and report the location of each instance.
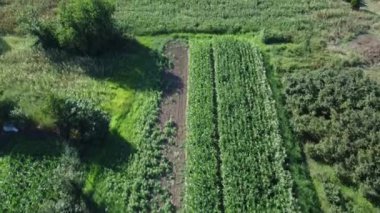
(80, 120)
(339, 111)
(81, 26)
(202, 181)
(233, 125)
(251, 148)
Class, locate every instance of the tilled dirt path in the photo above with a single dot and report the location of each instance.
(173, 108)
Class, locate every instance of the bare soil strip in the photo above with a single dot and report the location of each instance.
(368, 46)
(173, 108)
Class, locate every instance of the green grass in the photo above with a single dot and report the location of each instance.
(299, 18)
(12, 12)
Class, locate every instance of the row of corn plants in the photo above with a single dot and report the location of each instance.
(202, 178)
(252, 153)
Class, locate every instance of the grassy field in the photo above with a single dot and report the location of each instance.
(217, 16)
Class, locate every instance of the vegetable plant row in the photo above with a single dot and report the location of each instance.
(235, 155)
(254, 179)
(202, 191)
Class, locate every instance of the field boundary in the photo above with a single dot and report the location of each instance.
(173, 118)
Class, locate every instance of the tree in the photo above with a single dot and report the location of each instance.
(80, 121)
(339, 111)
(81, 26)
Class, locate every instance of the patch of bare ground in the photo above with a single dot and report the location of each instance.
(367, 46)
(173, 108)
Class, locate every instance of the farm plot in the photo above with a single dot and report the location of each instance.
(202, 179)
(235, 155)
(252, 155)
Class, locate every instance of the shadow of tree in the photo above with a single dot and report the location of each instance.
(171, 84)
(111, 154)
(131, 66)
(93, 206)
(37, 145)
(4, 47)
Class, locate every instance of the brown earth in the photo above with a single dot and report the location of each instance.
(368, 46)
(173, 108)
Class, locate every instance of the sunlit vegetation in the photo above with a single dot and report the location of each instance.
(248, 131)
(203, 182)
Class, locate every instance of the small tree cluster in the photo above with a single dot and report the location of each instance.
(339, 111)
(80, 121)
(81, 26)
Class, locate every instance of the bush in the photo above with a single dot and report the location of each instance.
(81, 26)
(80, 121)
(343, 109)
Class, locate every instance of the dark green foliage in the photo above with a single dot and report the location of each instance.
(6, 107)
(10, 112)
(270, 37)
(81, 26)
(203, 182)
(251, 148)
(80, 121)
(340, 112)
(36, 183)
(85, 25)
(338, 202)
(356, 4)
(3, 46)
